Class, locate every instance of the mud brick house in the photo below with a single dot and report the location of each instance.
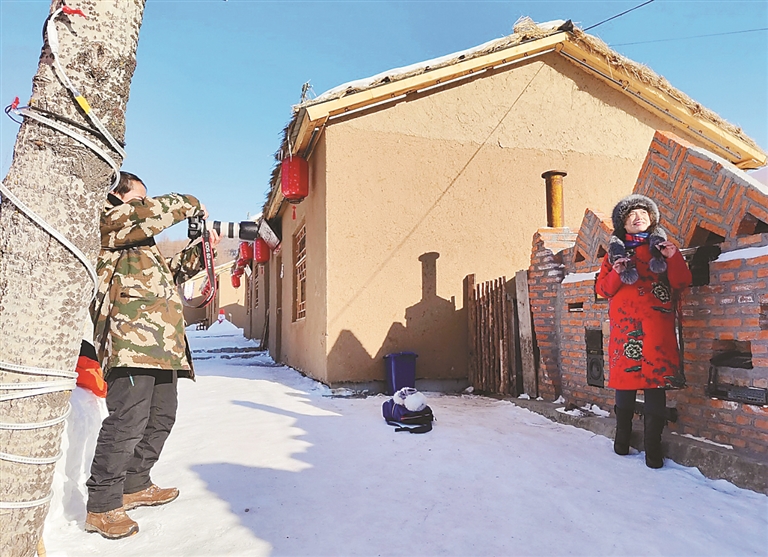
(719, 216)
(420, 176)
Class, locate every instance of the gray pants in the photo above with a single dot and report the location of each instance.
(142, 409)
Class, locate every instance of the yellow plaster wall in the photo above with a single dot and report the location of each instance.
(457, 173)
(303, 342)
(232, 300)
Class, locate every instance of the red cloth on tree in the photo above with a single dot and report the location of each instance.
(89, 373)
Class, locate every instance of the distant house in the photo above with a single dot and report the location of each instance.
(228, 298)
(423, 175)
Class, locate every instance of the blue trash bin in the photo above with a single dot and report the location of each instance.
(401, 371)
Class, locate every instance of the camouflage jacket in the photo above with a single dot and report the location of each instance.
(137, 314)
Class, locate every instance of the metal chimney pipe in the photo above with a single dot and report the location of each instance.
(555, 214)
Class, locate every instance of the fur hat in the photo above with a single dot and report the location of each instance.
(617, 249)
(627, 205)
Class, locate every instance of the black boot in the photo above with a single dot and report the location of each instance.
(623, 429)
(654, 425)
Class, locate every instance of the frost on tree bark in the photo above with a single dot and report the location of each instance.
(44, 290)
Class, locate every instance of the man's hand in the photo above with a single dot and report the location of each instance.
(213, 237)
(620, 265)
(666, 248)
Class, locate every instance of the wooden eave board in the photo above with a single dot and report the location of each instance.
(673, 111)
(274, 202)
(304, 131)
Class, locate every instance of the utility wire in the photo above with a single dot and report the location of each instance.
(694, 37)
(618, 15)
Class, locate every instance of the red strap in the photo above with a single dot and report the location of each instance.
(72, 11)
(209, 267)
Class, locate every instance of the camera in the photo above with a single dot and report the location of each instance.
(195, 227)
(245, 230)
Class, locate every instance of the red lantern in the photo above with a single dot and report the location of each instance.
(262, 251)
(294, 181)
(246, 252)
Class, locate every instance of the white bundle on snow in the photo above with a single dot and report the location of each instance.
(412, 399)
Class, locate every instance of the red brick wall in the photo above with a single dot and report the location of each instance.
(727, 309)
(694, 188)
(699, 196)
(573, 354)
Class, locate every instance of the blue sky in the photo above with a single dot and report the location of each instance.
(216, 79)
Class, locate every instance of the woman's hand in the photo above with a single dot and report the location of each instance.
(666, 248)
(620, 265)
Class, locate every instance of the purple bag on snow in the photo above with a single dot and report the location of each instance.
(405, 420)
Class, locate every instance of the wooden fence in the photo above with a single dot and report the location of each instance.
(501, 358)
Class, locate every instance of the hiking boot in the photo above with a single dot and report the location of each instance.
(114, 524)
(149, 497)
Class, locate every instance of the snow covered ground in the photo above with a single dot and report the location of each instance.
(269, 463)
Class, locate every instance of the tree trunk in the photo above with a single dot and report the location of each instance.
(44, 290)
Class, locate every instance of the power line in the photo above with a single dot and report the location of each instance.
(618, 15)
(693, 37)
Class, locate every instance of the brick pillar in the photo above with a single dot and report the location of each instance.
(544, 277)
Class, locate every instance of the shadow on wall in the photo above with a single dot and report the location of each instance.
(433, 329)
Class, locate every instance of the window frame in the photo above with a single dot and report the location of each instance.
(300, 273)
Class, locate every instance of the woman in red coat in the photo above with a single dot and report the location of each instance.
(642, 275)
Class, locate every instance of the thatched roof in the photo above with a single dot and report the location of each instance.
(524, 30)
(528, 38)
(646, 75)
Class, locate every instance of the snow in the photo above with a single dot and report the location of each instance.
(270, 463)
(744, 253)
(586, 410)
(578, 277)
(703, 440)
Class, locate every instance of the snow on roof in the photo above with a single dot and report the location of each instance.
(749, 179)
(761, 175)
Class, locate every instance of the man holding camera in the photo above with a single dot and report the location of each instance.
(140, 340)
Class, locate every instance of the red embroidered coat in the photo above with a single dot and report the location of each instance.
(642, 350)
